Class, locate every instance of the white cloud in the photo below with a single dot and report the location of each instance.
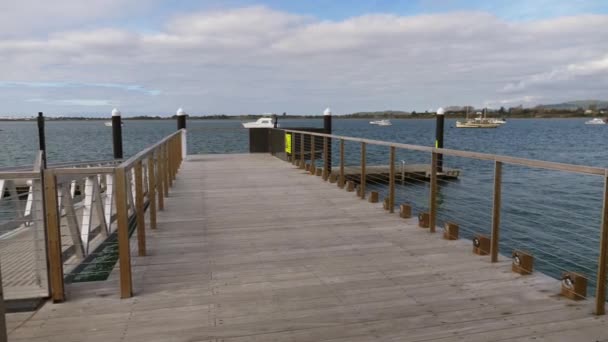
(26, 17)
(596, 67)
(73, 102)
(258, 60)
(126, 87)
(524, 100)
(590, 67)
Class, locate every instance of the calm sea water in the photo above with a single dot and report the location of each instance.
(555, 215)
(562, 140)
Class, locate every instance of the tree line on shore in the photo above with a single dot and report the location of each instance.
(453, 112)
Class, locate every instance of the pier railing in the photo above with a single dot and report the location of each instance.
(520, 208)
(117, 199)
(90, 211)
(23, 251)
(22, 234)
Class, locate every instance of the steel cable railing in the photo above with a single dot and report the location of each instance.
(90, 211)
(496, 196)
(22, 235)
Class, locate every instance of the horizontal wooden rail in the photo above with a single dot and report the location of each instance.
(87, 171)
(20, 175)
(143, 154)
(64, 165)
(589, 170)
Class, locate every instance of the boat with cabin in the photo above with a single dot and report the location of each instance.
(109, 123)
(596, 121)
(384, 122)
(265, 122)
(498, 121)
(481, 121)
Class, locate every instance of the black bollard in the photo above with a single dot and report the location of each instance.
(42, 138)
(327, 118)
(181, 119)
(117, 133)
(181, 124)
(439, 137)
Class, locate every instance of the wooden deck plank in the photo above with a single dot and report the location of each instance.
(249, 248)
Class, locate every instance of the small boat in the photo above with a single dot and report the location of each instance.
(260, 123)
(498, 121)
(596, 121)
(381, 122)
(479, 122)
(109, 123)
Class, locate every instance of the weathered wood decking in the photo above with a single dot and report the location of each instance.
(251, 249)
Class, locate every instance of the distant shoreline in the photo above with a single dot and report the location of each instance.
(301, 117)
(305, 118)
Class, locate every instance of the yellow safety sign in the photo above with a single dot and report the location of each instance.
(288, 143)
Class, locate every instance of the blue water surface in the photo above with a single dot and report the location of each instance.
(554, 215)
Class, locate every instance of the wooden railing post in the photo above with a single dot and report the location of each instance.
(179, 149)
(174, 159)
(600, 292)
(166, 177)
(312, 155)
(160, 179)
(139, 209)
(302, 159)
(341, 181)
(170, 162)
(363, 176)
(167, 169)
(326, 167)
(391, 181)
(176, 155)
(495, 237)
(152, 190)
(53, 236)
(433, 194)
(3, 332)
(122, 219)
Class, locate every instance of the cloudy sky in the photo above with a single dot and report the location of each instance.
(240, 56)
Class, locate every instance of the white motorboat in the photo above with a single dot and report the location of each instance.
(260, 123)
(596, 121)
(109, 123)
(381, 122)
(497, 121)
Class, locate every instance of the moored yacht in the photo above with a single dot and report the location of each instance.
(479, 122)
(385, 122)
(264, 122)
(109, 123)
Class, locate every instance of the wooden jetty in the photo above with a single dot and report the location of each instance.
(250, 248)
(381, 173)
